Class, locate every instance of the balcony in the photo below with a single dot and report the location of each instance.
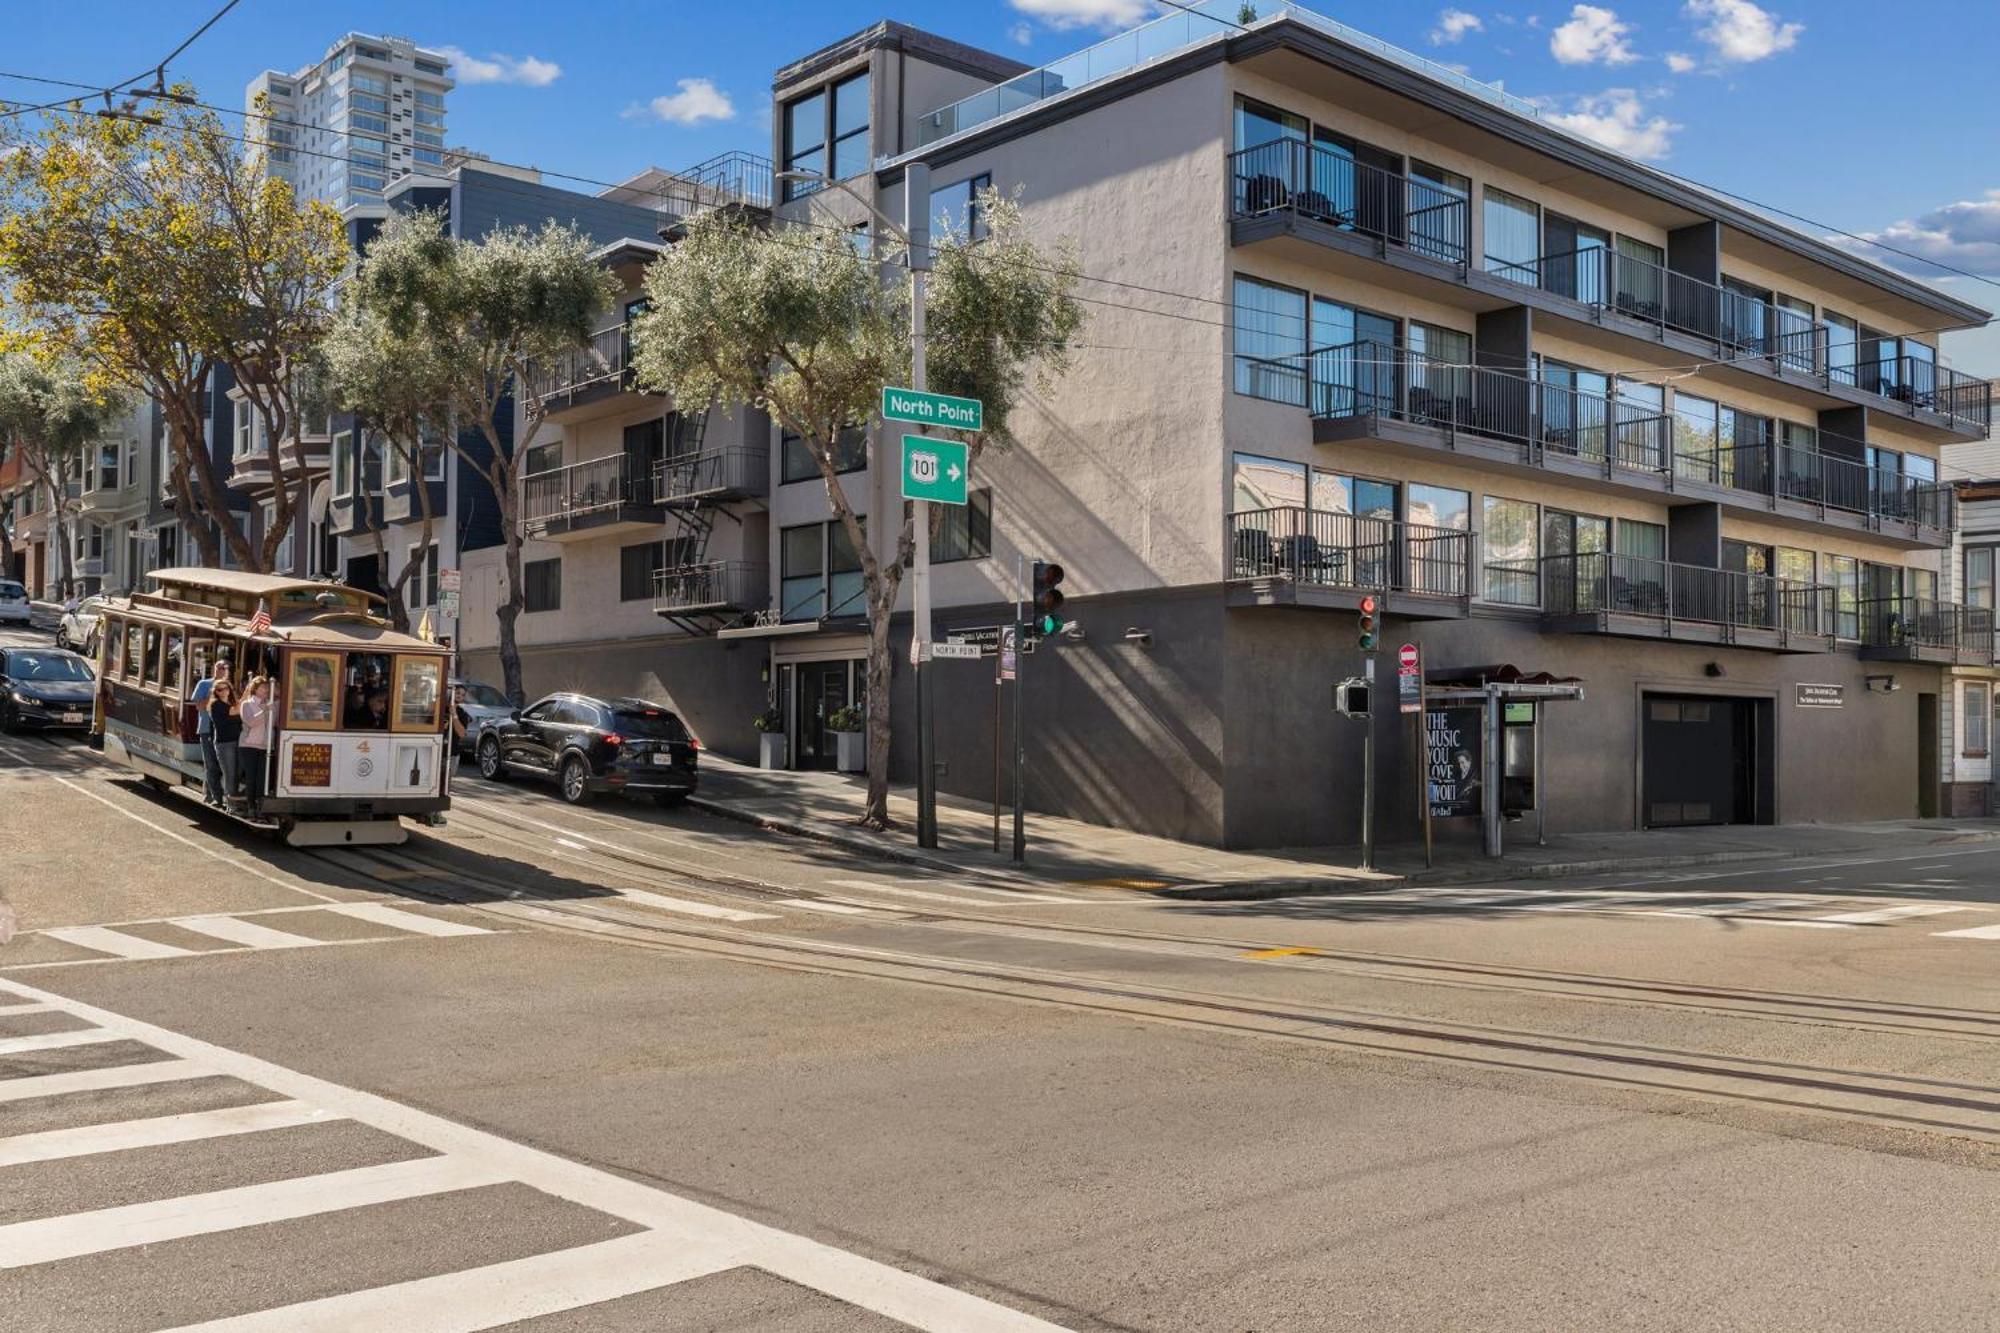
(712, 593)
(1922, 629)
(713, 476)
(585, 378)
(599, 498)
(734, 182)
(1372, 391)
(1635, 597)
(1289, 188)
(1293, 556)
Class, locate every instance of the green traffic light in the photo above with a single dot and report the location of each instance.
(1051, 624)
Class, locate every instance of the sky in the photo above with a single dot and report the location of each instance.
(1865, 116)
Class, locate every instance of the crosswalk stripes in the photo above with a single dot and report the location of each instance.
(1975, 933)
(676, 1239)
(237, 932)
(115, 942)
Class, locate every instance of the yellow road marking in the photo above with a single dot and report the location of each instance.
(1122, 882)
(1282, 953)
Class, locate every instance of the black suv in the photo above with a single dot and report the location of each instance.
(594, 745)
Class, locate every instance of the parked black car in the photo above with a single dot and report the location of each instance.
(46, 688)
(594, 745)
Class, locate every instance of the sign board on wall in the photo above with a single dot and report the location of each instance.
(1454, 773)
(1820, 696)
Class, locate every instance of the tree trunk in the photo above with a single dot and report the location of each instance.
(7, 541)
(881, 673)
(510, 606)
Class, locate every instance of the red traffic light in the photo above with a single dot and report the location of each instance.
(1367, 606)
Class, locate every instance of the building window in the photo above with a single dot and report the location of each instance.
(1270, 341)
(1513, 537)
(826, 134)
(802, 572)
(1845, 572)
(367, 102)
(131, 463)
(425, 98)
(427, 117)
(1440, 507)
(429, 156)
(1513, 236)
(1979, 576)
(967, 530)
(245, 423)
(541, 585)
(1267, 483)
(541, 458)
(636, 567)
(369, 124)
(796, 463)
(429, 138)
(343, 465)
(107, 467)
(955, 209)
(1978, 721)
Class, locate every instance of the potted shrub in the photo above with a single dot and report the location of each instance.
(850, 746)
(770, 726)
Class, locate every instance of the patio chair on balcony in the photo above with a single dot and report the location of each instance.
(1430, 407)
(1264, 194)
(1318, 207)
(1639, 597)
(1252, 556)
(1301, 556)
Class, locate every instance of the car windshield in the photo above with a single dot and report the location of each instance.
(47, 666)
(650, 724)
(12, 591)
(483, 695)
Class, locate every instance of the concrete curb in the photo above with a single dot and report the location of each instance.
(851, 839)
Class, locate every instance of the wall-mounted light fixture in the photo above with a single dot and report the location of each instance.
(1713, 670)
(1883, 684)
(1142, 637)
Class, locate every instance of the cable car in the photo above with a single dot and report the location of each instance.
(361, 729)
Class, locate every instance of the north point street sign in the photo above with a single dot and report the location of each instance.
(935, 470)
(932, 409)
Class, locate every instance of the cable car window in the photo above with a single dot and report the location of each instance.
(309, 693)
(419, 683)
(201, 658)
(135, 667)
(114, 648)
(152, 657)
(170, 677)
(365, 704)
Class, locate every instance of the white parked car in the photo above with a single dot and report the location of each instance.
(14, 603)
(78, 629)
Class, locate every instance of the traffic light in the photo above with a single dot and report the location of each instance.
(1350, 697)
(1369, 633)
(1048, 599)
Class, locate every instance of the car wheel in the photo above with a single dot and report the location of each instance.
(670, 800)
(62, 641)
(489, 760)
(575, 784)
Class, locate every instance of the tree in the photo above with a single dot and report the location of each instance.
(151, 249)
(52, 418)
(808, 328)
(488, 311)
(401, 387)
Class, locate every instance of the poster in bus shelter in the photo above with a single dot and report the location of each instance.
(1454, 773)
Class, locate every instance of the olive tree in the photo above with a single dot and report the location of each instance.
(487, 312)
(810, 328)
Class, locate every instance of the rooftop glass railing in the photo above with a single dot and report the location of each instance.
(1210, 20)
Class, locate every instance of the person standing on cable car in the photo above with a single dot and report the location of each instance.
(255, 744)
(213, 784)
(228, 724)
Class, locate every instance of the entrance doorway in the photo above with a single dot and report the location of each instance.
(1706, 760)
(823, 687)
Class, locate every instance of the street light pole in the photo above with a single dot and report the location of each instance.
(917, 237)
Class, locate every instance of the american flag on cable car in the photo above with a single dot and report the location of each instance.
(261, 622)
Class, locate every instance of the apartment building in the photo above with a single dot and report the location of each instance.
(110, 552)
(1969, 571)
(1372, 329)
(161, 529)
(23, 511)
(370, 110)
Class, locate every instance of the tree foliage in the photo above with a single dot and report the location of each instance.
(152, 250)
(480, 315)
(810, 328)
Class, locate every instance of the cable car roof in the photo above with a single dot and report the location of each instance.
(244, 583)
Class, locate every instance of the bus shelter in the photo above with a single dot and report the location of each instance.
(1497, 693)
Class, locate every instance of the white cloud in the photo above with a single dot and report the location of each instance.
(1592, 36)
(1021, 34)
(697, 101)
(1739, 32)
(1618, 119)
(1107, 15)
(1680, 63)
(1964, 235)
(530, 71)
(1452, 25)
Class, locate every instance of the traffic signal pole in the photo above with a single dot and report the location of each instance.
(916, 228)
(1370, 636)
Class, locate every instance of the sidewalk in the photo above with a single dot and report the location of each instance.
(824, 805)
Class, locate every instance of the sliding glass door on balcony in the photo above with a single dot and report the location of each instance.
(1358, 376)
(1513, 236)
(1271, 341)
(1574, 260)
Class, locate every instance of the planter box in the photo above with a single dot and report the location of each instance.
(770, 749)
(851, 751)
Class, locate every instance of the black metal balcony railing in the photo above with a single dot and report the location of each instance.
(734, 470)
(715, 585)
(1926, 623)
(728, 180)
(1329, 186)
(1349, 551)
(1370, 379)
(606, 362)
(581, 488)
(1610, 583)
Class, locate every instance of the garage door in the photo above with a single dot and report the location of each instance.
(1700, 761)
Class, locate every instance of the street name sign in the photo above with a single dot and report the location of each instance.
(970, 652)
(932, 409)
(935, 470)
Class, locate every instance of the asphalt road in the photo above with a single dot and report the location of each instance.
(616, 1068)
